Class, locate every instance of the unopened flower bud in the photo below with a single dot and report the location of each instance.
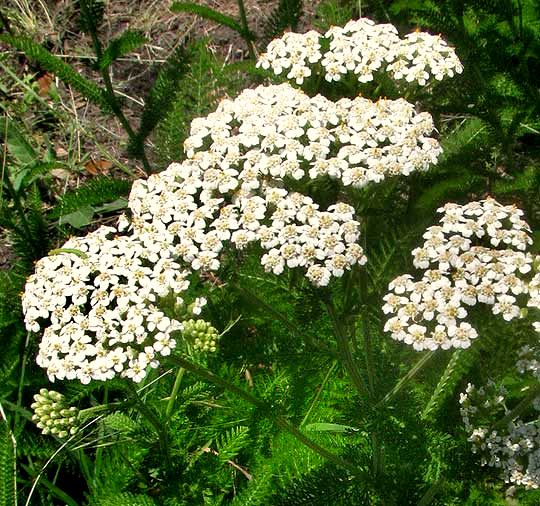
(51, 414)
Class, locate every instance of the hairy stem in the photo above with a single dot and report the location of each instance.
(245, 27)
(520, 408)
(344, 349)
(174, 393)
(319, 345)
(154, 420)
(403, 381)
(318, 393)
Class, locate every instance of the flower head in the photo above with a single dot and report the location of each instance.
(362, 48)
(474, 256)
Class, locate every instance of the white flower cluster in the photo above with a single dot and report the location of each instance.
(230, 186)
(534, 292)
(94, 301)
(476, 255)
(362, 47)
(515, 447)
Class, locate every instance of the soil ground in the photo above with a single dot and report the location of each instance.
(85, 135)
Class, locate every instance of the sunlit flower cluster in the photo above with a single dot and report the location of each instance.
(94, 300)
(239, 158)
(514, 447)
(53, 415)
(362, 48)
(475, 255)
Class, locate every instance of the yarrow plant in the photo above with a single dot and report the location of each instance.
(476, 255)
(513, 444)
(246, 186)
(364, 49)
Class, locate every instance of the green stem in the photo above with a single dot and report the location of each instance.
(268, 411)
(368, 351)
(403, 381)
(110, 94)
(432, 491)
(318, 394)
(519, 409)
(344, 349)
(174, 393)
(99, 449)
(21, 382)
(154, 420)
(245, 28)
(364, 317)
(22, 216)
(287, 323)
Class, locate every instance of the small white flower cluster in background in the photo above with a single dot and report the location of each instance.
(52, 415)
(230, 188)
(476, 255)
(94, 301)
(362, 47)
(515, 447)
(534, 291)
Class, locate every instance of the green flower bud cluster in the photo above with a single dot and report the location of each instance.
(52, 414)
(201, 335)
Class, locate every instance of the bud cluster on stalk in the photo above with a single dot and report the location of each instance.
(53, 416)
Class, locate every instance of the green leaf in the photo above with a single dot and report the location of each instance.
(126, 43)
(330, 427)
(213, 15)
(60, 68)
(18, 147)
(7, 466)
(91, 15)
(285, 16)
(231, 443)
(80, 218)
(157, 104)
(120, 423)
(116, 205)
(103, 194)
(27, 175)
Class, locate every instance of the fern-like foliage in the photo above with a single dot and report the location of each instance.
(459, 364)
(181, 97)
(101, 194)
(230, 443)
(125, 499)
(7, 466)
(321, 487)
(218, 17)
(285, 17)
(91, 15)
(120, 423)
(58, 67)
(30, 237)
(526, 183)
(167, 86)
(127, 42)
(384, 257)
